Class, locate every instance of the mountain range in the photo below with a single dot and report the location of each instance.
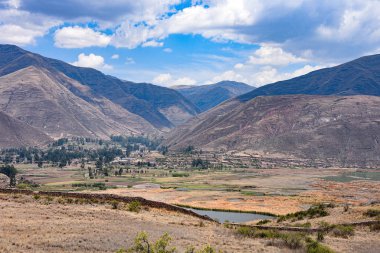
(329, 114)
(208, 96)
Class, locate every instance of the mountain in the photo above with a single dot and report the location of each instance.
(358, 77)
(39, 98)
(161, 107)
(15, 133)
(206, 97)
(342, 129)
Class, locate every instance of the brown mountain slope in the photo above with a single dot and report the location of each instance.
(43, 100)
(343, 129)
(15, 133)
(161, 107)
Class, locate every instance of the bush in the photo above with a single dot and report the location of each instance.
(262, 222)
(134, 206)
(143, 245)
(343, 231)
(115, 204)
(375, 227)
(36, 196)
(257, 233)
(302, 225)
(22, 186)
(293, 241)
(312, 212)
(372, 213)
(320, 236)
(316, 247)
(177, 174)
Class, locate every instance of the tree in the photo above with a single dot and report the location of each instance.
(10, 171)
(99, 163)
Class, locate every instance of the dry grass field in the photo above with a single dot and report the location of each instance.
(48, 224)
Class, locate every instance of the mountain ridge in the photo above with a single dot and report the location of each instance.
(208, 96)
(357, 77)
(127, 94)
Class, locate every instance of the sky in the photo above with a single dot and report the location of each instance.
(195, 42)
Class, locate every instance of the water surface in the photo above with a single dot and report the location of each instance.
(235, 217)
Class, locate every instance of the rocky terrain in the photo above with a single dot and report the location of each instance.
(340, 130)
(15, 133)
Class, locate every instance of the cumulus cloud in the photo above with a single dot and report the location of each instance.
(168, 50)
(167, 80)
(91, 61)
(152, 43)
(80, 37)
(115, 56)
(21, 27)
(14, 34)
(266, 65)
(269, 55)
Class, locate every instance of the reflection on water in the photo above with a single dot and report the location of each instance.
(234, 217)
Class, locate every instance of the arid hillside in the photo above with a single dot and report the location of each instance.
(132, 107)
(43, 100)
(337, 130)
(15, 133)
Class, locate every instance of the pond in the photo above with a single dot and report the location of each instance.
(358, 175)
(234, 217)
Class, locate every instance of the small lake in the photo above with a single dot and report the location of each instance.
(358, 175)
(234, 217)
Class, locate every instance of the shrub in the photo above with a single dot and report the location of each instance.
(61, 200)
(22, 186)
(262, 222)
(49, 199)
(302, 225)
(316, 247)
(343, 231)
(320, 236)
(292, 240)
(143, 245)
(312, 212)
(180, 174)
(372, 213)
(36, 196)
(134, 206)
(115, 204)
(207, 249)
(375, 227)
(257, 233)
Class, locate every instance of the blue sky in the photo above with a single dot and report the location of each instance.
(174, 42)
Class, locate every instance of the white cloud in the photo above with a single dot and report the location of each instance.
(266, 65)
(269, 55)
(115, 56)
(21, 27)
(152, 43)
(91, 61)
(167, 80)
(14, 34)
(80, 37)
(130, 60)
(168, 50)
